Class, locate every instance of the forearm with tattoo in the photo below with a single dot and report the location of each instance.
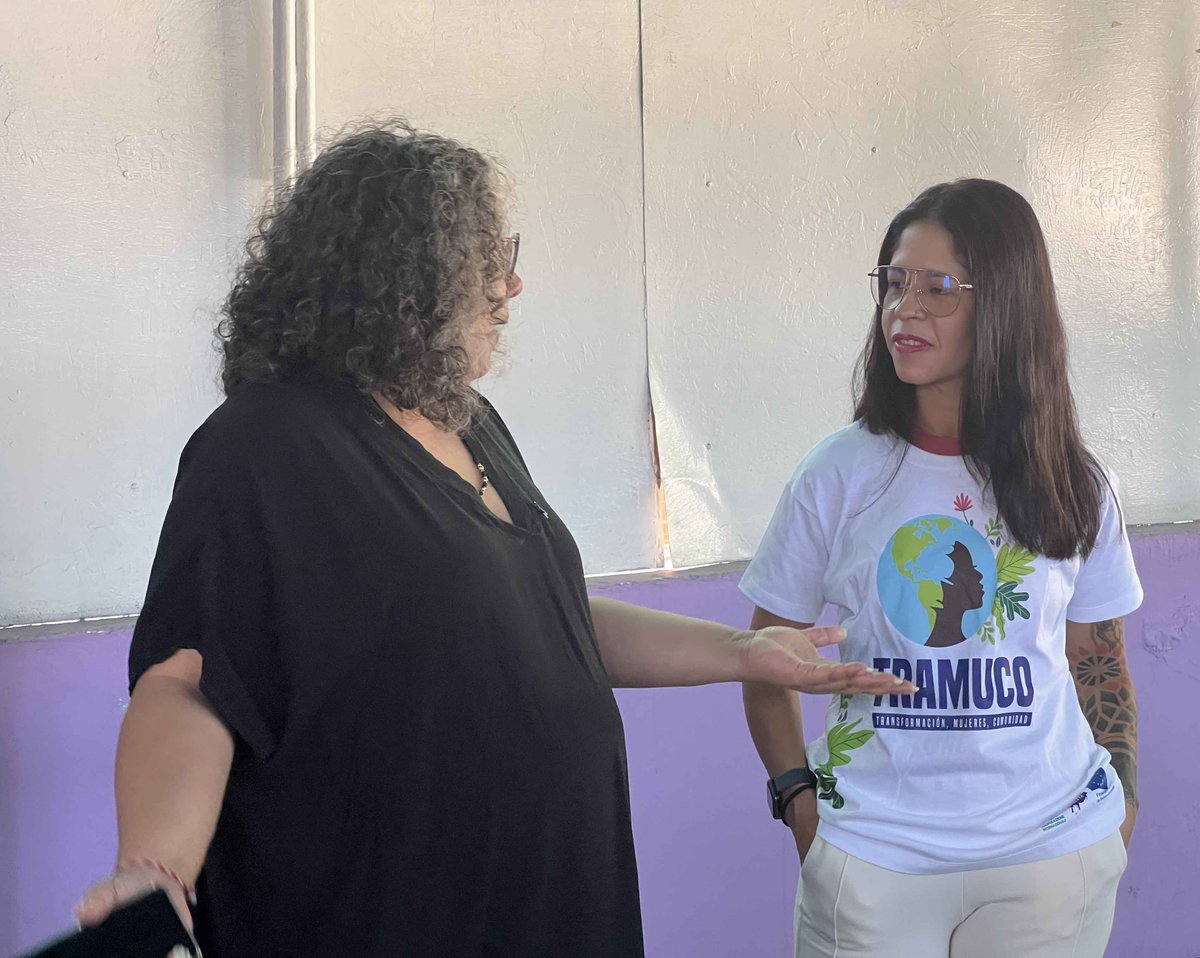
(1096, 652)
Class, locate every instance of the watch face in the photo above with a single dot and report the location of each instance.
(772, 799)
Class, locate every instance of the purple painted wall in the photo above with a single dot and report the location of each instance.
(61, 703)
(718, 875)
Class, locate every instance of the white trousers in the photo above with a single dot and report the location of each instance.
(1058, 908)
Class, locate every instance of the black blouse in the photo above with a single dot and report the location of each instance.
(428, 756)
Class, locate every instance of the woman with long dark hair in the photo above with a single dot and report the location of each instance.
(372, 708)
(972, 544)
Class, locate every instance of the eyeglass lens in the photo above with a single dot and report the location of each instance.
(937, 292)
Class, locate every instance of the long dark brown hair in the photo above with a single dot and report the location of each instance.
(1018, 426)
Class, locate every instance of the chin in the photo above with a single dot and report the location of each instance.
(480, 369)
(911, 377)
(911, 374)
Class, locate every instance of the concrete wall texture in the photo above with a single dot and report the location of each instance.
(701, 187)
(781, 138)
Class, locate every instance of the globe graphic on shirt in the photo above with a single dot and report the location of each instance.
(936, 580)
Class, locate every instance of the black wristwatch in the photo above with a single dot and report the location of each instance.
(783, 788)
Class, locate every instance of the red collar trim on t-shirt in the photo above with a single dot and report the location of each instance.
(938, 445)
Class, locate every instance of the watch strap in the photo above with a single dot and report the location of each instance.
(785, 787)
(793, 777)
(787, 799)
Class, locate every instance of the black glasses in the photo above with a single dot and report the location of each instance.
(938, 293)
(510, 246)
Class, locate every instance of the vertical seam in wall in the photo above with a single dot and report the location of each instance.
(283, 90)
(306, 84)
(663, 560)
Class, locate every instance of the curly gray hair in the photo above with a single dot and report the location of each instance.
(368, 266)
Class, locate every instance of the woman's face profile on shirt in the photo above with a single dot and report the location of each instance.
(929, 350)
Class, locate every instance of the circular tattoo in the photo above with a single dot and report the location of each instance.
(1098, 669)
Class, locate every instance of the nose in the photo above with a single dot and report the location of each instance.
(910, 306)
(514, 286)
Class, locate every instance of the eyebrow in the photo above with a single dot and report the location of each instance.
(956, 273)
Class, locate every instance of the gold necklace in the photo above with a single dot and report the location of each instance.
(486, 481)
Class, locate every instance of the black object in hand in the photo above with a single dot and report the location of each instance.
(148, 927)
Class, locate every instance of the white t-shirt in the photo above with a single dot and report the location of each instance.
(992, 762)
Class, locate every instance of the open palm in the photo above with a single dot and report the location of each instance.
(778, 655)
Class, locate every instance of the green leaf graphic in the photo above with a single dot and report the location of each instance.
(842, 739)
(827, 788)
(993, 527)
(1009, 600)
(1013, 563)
(858, 739)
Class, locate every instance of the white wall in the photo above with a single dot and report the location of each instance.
(782, 137)
(552, 89)
(132, 150)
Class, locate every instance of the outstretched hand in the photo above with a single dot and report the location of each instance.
(778, 655)
(122, 887)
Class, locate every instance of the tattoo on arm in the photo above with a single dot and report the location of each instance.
(1110, 635)
(1097, 657)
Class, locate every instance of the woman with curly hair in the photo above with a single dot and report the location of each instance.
(372, 708)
